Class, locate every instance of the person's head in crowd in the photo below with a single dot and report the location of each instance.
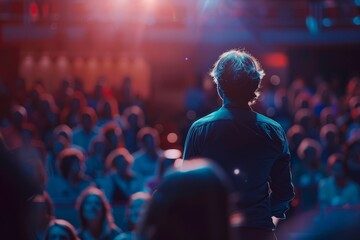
(18, 116)
(303, 100)
(47, 104)
(42, 212)
(58, 145)
(88, 119)
(64, 93)
(78, 84)
(354, 102)
(281, 99)
(167, 161)
(323, 92)
(327, 116)
(120, 161)
(113, 136)
(99, 89)
(149, 139)
(63, 130)
(329, 134)
(107, 108)
(134, 116)
(71, 113)
(95, 212)
(77, 102)
(135, 208)
(61, 230)
(295, 135)
(309, 152)
(353, 148)
(65, 85)
(237, 75)
(35, 93)
(355, 115)
(337, 166)
(97, 146)
(71, 163)
(305, 118)
(192, 203)
(353, 87)
(28, 133)
(297, 87)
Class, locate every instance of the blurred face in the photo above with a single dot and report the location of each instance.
(92, 207)
(58, 233)
(18, 119)
(331, 138)
(310, 155)
(113, 139)
(99, 147)
(120, 164)
(136, 209)
(107, 110)
(58, 147)
(149, 143)
(86, 121)
(133, 120)
(76, 168)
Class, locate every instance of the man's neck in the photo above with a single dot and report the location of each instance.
(232, 104)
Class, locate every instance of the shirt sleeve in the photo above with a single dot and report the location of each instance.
(190, 149)
(282, 189)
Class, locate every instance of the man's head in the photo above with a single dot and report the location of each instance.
(237, 75)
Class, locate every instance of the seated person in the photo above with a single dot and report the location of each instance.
(121, 182)
(72, 181)
(192, 202)
(61, 229)
(96, 219)
(337, 189)
(134, 213)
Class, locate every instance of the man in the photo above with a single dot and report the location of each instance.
(251, 148)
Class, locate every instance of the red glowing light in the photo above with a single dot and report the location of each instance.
(34, 10)
(276, 60)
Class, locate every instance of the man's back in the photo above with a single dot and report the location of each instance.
(251, 148)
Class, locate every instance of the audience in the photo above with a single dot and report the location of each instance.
(70, 140)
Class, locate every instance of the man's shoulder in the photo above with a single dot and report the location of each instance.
(210, 118)
(266, 120)
(224, 114)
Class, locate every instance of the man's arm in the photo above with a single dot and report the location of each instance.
(282, 189)
(190, 148)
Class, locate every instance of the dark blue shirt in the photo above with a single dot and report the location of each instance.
(253, 151)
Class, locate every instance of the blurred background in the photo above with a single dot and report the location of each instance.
(151, 58)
